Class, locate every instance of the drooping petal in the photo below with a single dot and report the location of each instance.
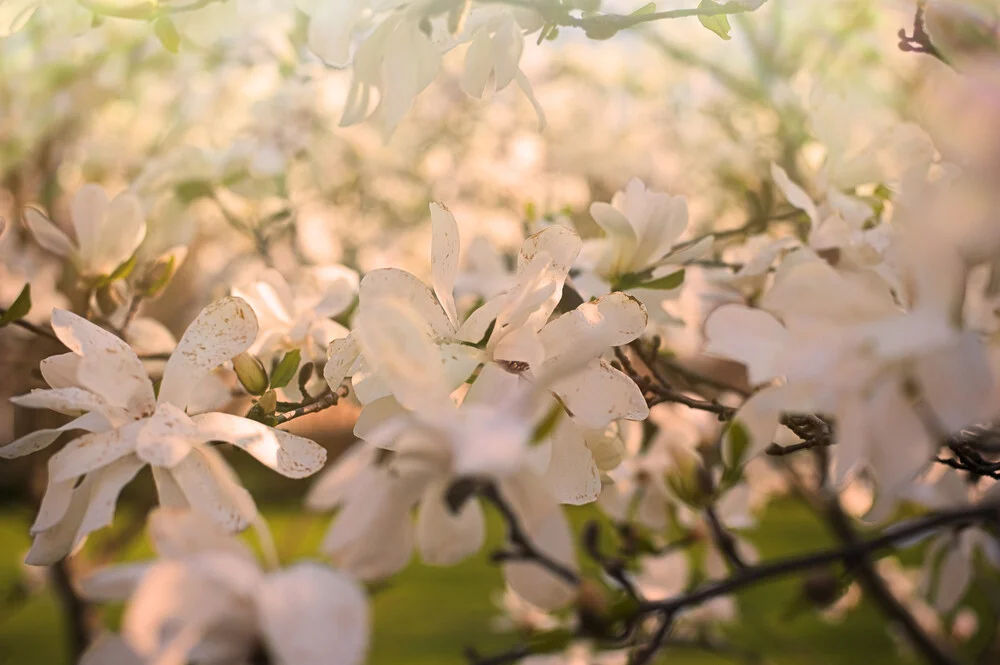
(47, 234)
(313, 615)
(178, 532)
(42, 438)
(444, 259)
(290, 455)
(104, 493)
(93, 451)
(343, 478)
(108, 366)
(212, 492)
(223, 330)
(445, 538)
(372, 535)
(572, 476)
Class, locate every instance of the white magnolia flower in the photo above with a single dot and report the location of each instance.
(845, 348)
(642, 228)
(207, 600)
(564, 354)
(130, 426)
(107, 232)
(434, 444)
(300, 317)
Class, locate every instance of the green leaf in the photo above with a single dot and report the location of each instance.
(717, 23)
(286, 369)
(192, 190)
(121, 272)
(671, 281)
(548, 423)
(647, 8)
(166, 32)
(19, 308)
(738, 442)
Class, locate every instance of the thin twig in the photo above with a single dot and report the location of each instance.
(524, 549)
(76, 610)
(31, 327)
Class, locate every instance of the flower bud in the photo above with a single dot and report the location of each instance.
(250, 372)
(268, 402)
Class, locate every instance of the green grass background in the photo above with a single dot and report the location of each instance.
(426, 615)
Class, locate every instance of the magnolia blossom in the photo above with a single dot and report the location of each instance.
(107, 232)
(844, 348)
(564, 354)
(131, 426)
(207, 600)
(433, 444)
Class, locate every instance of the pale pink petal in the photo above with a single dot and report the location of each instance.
(599, 394)
(89, 210)
(93, 451)
(750, 336)
(167, 437)
(213, 493)
(343, 477)
(394, 283)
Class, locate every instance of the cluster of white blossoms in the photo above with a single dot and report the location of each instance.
(840, 349)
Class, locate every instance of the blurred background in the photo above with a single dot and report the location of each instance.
(244, 109)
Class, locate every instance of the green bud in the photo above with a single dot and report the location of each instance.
(250, 372)
(268, 402)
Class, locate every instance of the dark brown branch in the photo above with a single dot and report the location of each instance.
(723, 539)
(919, 41)
(75, 609)
(316, 404)
(523, 548)
(875, 588)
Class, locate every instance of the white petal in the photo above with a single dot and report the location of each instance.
(55, 503)
(444, 258)
(396, 342)
(110, 650)
(121, 233)
(373, 418)
(750, 336)
(478, 64)
(336, 483)
(474, 328)
(93, 451)
(795, 194)
(61, 371)
(330, 31)
(342, 354)
(109, 366)
(577, 337)
(372, 536)
(953, 581)
(222, 331)
(47, 234)
(291, 456)
(443, 538)
(572, 476)
(113, 583)
(177, 533)
(107, 486)
(391, 282)
(89, 210)
(211, 491)
(39, 439)
(599, 394)
(69, 401)
(313, 615)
